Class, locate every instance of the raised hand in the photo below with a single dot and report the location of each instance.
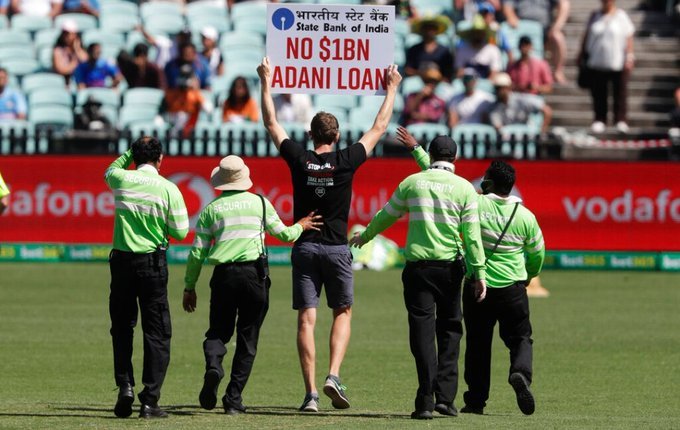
(405, 138)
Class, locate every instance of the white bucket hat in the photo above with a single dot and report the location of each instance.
(502, 80)
(231, 174)
(209, 33)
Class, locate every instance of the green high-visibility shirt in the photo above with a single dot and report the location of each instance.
(229, 230)
(148, 207)
(441, 207)
(508, 264)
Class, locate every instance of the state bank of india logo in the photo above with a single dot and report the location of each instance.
(283, 18)
(197, 193)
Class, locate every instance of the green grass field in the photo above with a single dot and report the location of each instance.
(607, 355)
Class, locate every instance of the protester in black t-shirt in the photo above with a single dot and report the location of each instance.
(322, 182)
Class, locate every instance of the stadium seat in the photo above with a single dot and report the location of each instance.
(343, 2)
(402, 27)
(140, 129)
(248, 137)
(340, 113)
(20, 66)
(163, 24)
(106, 96)
(425, 132)
(327, 101)
(445, 90)
(411, 84)
(464, 135)
(372, 104)
(433, 7)
(485, 85)
(254, 24)
(248, 9)
(118, 23)
(159, 8)
(197, 23)
(4, 22)
(53, 115)
(136, 113)
(9, 52)
(84, 21)
(30, 23)
(46, 38)
(206, 8)
(45, 59)
(362, 117)
(50, 96)
(143, 97)
(118, 8)
(243, 55)
(412, 39)
(14, 37)
(246, 69)
(244, 39)
(38, 81)
(103, 37)
(296, 130)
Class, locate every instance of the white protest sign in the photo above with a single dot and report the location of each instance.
(329, 49)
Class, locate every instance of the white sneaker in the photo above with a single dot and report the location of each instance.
(622, 127)
(310, 404)
(598, 127)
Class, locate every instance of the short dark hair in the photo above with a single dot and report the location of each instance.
(502, 176)
(146, 149)
(324, 128)
(140, 49)
(90, 48)
(525, 40)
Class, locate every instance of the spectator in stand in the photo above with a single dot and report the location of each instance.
(467, 9)
(138, 70)
(429, 51)
(4, 7)
(91, 117)
(469, 107)
(185, 102)
(68, 51)
(475, 50)
(425, 105)
(675, 113)
(542, 12)
(89, 7)
(167, 49)
(608, 44)
(510, 108)
(12, 102)
(294, 108)
(240, 105)
(94, 72)
(188, 55)
(529, 74)
(498, 38)
(211, 54)
(48, 8)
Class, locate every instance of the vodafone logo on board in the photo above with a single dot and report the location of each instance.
(629, 207)
(196, 191)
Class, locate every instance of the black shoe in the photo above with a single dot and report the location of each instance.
(421, 415)
(152, 411)
(126, 397)
(525, 400)
(446, 409)
(208, 396)
(472, 410)
(231, 409)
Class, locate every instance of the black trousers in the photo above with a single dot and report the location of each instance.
(239, 299)
(432, 298)
(510, 307)
(599, 91)
(143, 278)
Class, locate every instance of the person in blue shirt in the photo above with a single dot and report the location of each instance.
(94, 71)
(12, 102)
(4, 7)
(188, 55)
(90, 7)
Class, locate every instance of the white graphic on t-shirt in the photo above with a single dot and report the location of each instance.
(320, 191)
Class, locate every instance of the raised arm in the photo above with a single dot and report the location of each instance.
(370, 139)
(273, 127)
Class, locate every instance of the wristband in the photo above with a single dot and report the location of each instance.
(186, 290)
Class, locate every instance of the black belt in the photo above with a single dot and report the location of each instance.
(236, 264)
(430, 263)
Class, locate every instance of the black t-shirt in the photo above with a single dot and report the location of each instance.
(323, 183)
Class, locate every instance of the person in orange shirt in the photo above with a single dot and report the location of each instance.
(184, 104)
(239, 105)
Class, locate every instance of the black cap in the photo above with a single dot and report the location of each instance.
(524, 40)
(443, 147)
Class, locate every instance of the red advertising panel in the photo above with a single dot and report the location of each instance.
(580, 206)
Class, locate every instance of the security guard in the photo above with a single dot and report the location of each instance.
(230, 234)
(509, 232)
(148, 209)
(441, 207)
